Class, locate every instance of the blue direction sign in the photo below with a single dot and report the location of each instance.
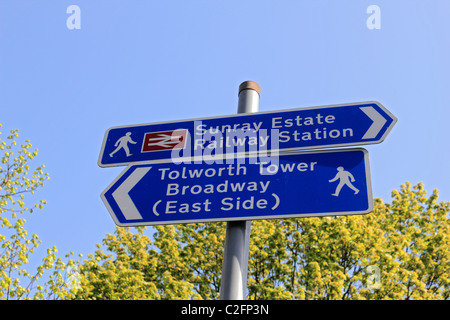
(247, 134)
(334, 182)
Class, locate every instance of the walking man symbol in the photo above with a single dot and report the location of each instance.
(344, 179)
(123, 143)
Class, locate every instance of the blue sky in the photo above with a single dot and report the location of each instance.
(147, 61)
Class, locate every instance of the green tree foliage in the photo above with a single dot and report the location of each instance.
(137, 268)
(399, 251)
(16, 246)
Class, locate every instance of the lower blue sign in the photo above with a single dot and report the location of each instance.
(321, 183)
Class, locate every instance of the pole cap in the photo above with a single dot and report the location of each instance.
(246, 85)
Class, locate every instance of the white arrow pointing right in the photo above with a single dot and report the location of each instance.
(378, 122)
(122, 197)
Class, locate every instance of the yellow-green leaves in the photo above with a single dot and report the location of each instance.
(16, 181)
(132, 270)
(16, 176)
(399, 251)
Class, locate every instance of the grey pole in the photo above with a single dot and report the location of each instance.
(237, 237)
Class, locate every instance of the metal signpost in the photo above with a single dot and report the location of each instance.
(244, 167)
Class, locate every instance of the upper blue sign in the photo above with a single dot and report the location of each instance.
(335, 182)
(247, 134)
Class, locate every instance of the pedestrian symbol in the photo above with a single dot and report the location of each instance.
(344, 179)
(123, 143)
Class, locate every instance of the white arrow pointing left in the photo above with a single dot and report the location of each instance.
(122, 197)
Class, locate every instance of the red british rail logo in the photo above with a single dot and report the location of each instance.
(164, 140)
